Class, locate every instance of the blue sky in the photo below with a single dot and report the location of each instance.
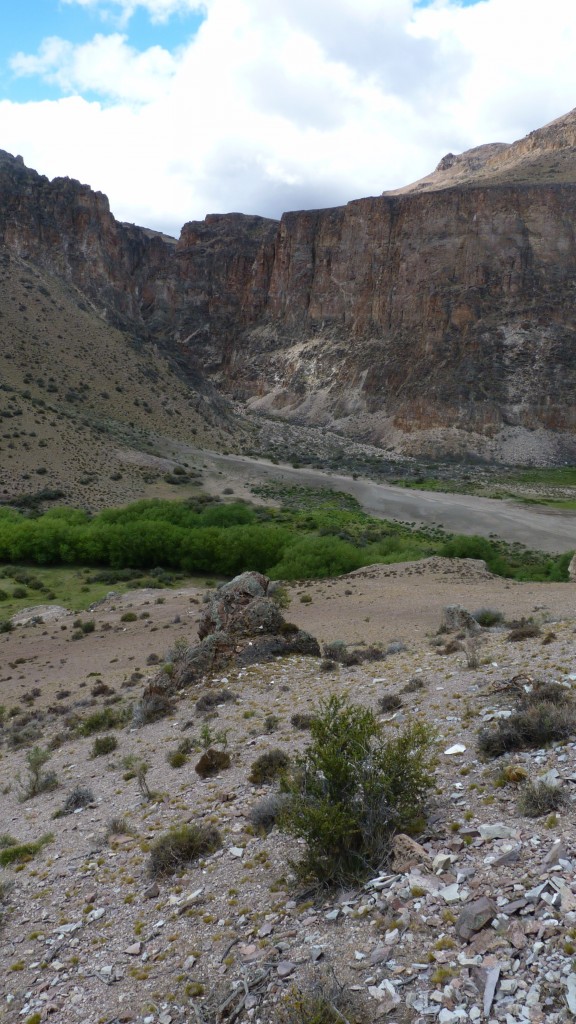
(26, 24)
(179, 108)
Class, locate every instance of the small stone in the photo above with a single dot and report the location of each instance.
(236, 851)
(450, 893)
(492, 977)
(385, 994)
(496, 831)
(332, 915)
(285, 969)
(152, 891)
(134, 950)
(474, 916)
(406, 852)
(457, 748)
(265, 930)
(316, 952)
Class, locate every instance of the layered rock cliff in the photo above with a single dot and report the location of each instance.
(449, 309)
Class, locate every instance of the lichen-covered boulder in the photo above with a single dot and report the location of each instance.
(224, 612)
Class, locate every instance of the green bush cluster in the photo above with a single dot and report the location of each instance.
(353, 788)
(327, 539)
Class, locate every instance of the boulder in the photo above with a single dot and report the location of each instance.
(456, 619)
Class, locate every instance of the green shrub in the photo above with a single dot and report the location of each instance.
(177, 758)
(352, 789)
(488, 617)
(268, 766)
(105, 718)
(129, 617)
(539, 798)
(37, 781)
(180, 846)
(19, 853)
(103, 745)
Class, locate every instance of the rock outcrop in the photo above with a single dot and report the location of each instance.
(449, 309)
(241, 626)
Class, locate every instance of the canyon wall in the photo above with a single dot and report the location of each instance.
(452, 308)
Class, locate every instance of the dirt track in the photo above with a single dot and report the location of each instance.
(458, 513)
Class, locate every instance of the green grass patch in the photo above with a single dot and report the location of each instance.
(19, 853)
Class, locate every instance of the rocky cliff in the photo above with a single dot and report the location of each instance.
(448, 309)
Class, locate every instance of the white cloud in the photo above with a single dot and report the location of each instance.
(159, 10)
(106, 65)
(290, 104)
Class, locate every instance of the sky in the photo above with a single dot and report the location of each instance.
(179, 108)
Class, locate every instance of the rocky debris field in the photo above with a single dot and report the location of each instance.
(474, 919)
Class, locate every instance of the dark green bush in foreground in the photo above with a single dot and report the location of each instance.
(353, 789)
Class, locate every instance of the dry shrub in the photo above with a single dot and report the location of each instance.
(208, 701)
(547, 715)
(180, 846)
(154, 704)
(80, 796)
(389, 702)
(539, 798)
(264, 815)
(212, 762)
(269, 766)
(524, 631)
(322, 1001)
(302, 720)
(414, 685)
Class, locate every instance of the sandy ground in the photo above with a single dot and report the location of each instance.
(376, 604)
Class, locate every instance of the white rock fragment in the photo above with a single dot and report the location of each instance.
(496, 831)
(385, 994)
(457, 748)
(450, 893)
(571, 993)
(236, 851)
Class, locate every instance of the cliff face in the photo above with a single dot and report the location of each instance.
(450, 308)
(453, 307)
